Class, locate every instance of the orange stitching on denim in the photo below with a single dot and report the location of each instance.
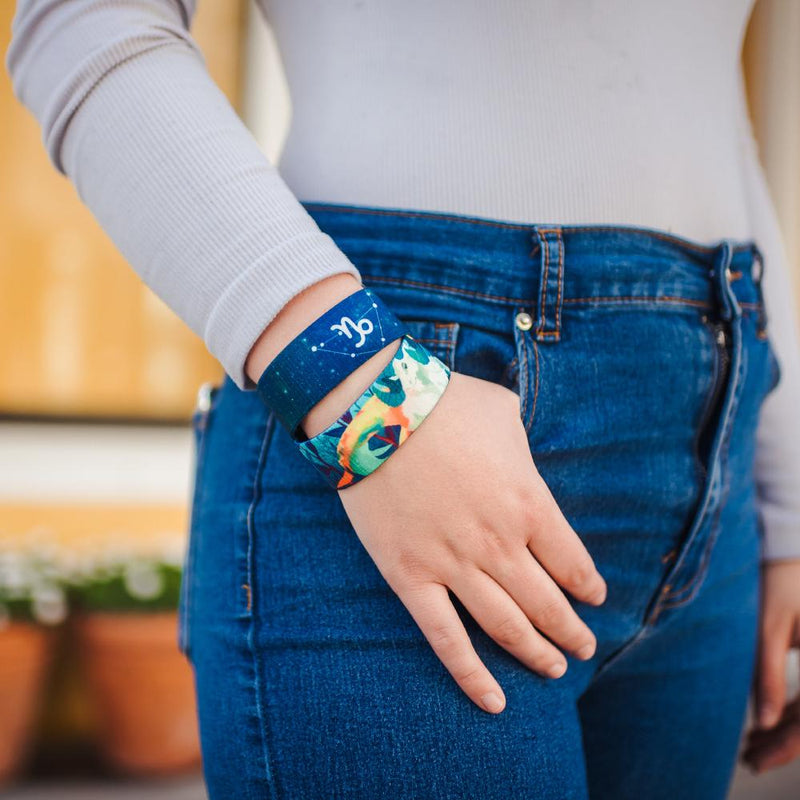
(446, 343)
(698, 248)
(246, 587)
(668, 556)
(523, 301)
(736, 274)
(560, 281)
(527, 380)
(640, 298)
(543, 287)
(454, 289)
(510, 367)
(445, 346)
(522, 376)
(762, 333)
(689, 590)
(536, 386)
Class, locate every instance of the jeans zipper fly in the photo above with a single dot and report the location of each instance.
(721, 369)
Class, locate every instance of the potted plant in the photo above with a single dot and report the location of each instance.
(125, 622)
(32, 604)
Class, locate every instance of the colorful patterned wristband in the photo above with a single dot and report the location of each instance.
(382, 418)
(324, 354)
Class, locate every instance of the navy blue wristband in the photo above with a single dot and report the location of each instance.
(324, 354)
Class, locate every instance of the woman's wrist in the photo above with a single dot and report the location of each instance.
(381, 418)
(295, 317)
(292, 320)
(342, 396)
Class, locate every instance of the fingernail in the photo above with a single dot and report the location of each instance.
(587, 651)
(492, 702)
(557, 670)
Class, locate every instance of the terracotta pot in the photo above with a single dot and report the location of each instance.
(143, 689)
(25, 654)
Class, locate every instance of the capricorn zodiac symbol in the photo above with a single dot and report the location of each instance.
(364, 327)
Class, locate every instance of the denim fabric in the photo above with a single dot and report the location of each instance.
(640, 382)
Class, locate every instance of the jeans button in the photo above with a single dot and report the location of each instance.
(524, 321)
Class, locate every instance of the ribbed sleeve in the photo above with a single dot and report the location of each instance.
(130, 114)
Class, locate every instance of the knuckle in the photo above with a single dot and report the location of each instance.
(550, 613)
(409, 569)
(580, 573)
(531, 508)
(467, 676)
(509, 633)
(403, 584)
(443, 637)
(504, 569)
(515, 495)
(497, 543)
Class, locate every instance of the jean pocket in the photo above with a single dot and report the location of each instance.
(490, 356)
(201, 418)
(527, 375)
(440, 338)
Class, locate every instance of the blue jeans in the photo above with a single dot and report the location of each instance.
(641, 360)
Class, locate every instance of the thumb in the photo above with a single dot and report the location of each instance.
(771, 686)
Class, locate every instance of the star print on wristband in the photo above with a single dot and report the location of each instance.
(322, 356)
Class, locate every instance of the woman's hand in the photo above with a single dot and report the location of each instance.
(461, 505)
(775, 739)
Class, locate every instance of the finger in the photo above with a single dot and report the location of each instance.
(782, 746)
(771, 681)
(437, 618)
(497, 613)
(542, 601)
(559, 549)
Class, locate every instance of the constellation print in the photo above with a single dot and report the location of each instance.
(363, 328)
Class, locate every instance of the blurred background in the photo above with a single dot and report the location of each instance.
(99, 385)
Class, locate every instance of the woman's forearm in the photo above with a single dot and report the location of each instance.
(130, 113)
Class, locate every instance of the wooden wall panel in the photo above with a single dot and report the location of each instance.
(145, 528)
(80, 333)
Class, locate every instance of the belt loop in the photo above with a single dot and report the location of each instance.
(721, 276)
(551, 282)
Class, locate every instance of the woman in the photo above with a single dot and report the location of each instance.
(550, 589)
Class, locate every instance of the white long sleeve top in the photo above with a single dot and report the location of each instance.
(621, 111)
